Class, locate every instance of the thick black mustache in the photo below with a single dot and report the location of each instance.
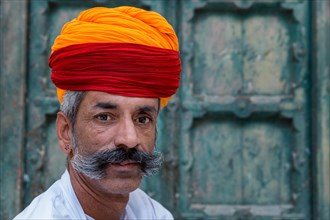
(94, 165)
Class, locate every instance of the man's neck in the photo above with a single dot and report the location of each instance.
(94, 203)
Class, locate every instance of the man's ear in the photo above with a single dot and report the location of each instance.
(64, 132)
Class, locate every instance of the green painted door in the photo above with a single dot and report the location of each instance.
(239, 136)
(244, 143)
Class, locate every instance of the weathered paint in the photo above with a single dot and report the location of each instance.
(321, 108)
(244, 126)
(12, 104)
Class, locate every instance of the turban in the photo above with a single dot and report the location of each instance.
(123, 51)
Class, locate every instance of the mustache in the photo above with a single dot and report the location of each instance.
(94, 165)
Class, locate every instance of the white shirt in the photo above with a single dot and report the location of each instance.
(60, 202)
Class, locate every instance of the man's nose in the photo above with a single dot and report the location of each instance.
(127, 136)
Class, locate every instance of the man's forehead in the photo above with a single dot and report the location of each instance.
(95, 99)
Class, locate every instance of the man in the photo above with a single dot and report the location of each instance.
(114, 69)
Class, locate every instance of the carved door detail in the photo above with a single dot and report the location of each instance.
(244, 150)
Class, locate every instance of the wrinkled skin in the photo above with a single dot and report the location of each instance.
(106, 121)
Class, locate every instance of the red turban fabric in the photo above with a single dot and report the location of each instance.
(124, 51)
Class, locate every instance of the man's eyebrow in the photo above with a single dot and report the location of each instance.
(147, 109)
(105, 105)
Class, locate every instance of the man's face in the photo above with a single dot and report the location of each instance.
(109, 122)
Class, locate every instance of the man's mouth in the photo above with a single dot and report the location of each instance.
(127, 162)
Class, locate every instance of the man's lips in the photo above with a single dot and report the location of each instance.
(126, 166)
(127, 162)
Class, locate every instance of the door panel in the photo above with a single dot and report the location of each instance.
(244, 150)
(234, 169)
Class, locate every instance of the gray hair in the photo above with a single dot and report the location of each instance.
(70, 104)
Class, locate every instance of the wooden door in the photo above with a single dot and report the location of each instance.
(246, 136)
(245, 141)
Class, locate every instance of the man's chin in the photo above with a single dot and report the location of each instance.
(120, 184)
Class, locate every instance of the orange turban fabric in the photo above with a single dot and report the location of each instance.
(125, 51)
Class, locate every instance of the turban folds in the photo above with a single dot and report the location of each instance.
(124, 51)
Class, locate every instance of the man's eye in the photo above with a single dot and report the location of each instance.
(143, 120)
(103, 117)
